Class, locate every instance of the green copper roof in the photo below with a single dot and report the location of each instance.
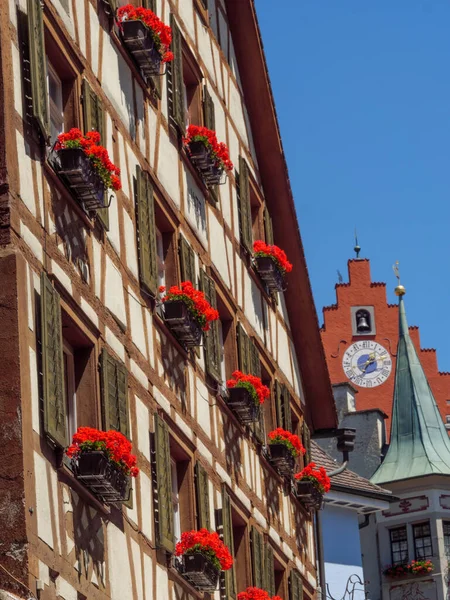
(419, 441)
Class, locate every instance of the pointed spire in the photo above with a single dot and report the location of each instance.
(419, 441)
(357, 247)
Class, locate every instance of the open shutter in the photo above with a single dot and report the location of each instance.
(211, 337)
(151, 4)
(269, 570)
(163, 496)
(175, 84)
(245, 215)
(187, 261)
(254, 359)
(114, 377)
(209, 118)
(38, 66)
(283, 406)
(258, 427)
(257, 558)
(306, 437)
(148, 268)
(295, 586)
(202, 493)
(268, 229)
(55, 417)
(243, 350)
(227, 524)
(287, 416)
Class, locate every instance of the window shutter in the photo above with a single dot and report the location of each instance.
(257, 558)
(151, 4)
(55, 417)
(163, 499)
(211, 337)
(38, 66)
(148, 269)
(175, 80)
(295, 586)
(279, 404)
(258, 427)
(287, 416)
(268, 229)
(269, 570)
(243, 350)
(227, 524)
(114, 377)
(187, 261)
(202, 493)
(306, 435)
(254, 359)
(245, 216)
(209, 113)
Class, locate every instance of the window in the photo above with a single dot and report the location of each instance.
(55, 97)
(192, 90)
(446, 530)
(257, 214)
(399, 545)
(279, 579)
(182, 485)
(423, 548)
(175, 502)
(160, 258)
(69, 382)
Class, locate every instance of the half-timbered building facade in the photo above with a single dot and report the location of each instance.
(82, 338)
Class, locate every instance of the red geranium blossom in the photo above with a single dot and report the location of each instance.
(254, 593)
(253, 384)
(318, 476)
(161, 33)
(113, 443)
(292, 441)
(276, 254)
(415, 567)
(195, 300)
(219, 150)
(207, 543)
(98, 155)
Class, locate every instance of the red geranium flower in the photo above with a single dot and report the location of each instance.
(219, 150)
(161, 33)
(292, 441)
(253, 384)
(318, 476)
(195, 300)
(207, 543)
(254, 593)
(276, 254)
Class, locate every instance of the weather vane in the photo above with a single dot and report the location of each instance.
(399, 290)
(357, 247)
(340, 278)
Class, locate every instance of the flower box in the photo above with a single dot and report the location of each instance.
(205, 163)
(309, 495)
(200, 571)
(270, 273)
(101, 476)
(139, 42)
(181, 323)
(76, 171)
(282, 459)
(241, 402)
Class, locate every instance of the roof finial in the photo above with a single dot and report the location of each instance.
(399, 290)
(357, 247)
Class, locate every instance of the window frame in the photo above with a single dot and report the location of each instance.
(401, 550)
(70, 386)
(446, 537)
(55, 107)
(424, 545)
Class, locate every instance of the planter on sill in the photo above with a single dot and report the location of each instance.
(241, 402)
(270, 273)
(76, 171)
(138, 40)
(200, 571)
(282, 459)
(102, 477)
(205, 164)
(309, 495)
(182, 324)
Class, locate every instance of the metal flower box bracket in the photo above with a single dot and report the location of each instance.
(77, 173)
(282, 459)
(241, 402)
(205, 164)
(182, 324)
(139, 42)
(270, 273)
(200, 571)
(309, 495)
(102, 477)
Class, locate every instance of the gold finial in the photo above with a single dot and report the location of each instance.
(400, 289)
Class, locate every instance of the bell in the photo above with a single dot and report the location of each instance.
(362, 324)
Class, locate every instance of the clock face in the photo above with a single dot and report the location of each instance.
(367, 364)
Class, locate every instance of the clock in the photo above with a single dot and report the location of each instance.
(367, 364)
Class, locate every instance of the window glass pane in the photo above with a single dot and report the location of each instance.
(446, 529)
(176, 503)
(55, 102)
(69, 381)
(422, 541)
(160, 258)
(399, 546)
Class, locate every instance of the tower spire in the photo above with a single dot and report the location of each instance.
(357, 247)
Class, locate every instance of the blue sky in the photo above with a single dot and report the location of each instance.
(362, 90)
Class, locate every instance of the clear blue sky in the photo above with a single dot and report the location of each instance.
(362, 90)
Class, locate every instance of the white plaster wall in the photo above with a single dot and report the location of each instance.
(137, 568)
(204, 48)
(221, 252)
(203, 408)
(95, 38)
(195, 208)
(25, 173)
(186, 12)
(34, 388)
(143, 428)
(130, 244)
(284, 353)
(114, 293)
(137, 322)
(119, 573)
(223, 34)
(152, 124)
(253, 304)
(17, 79)
(146, 505)
(168, 167)
(148, 577)
(237, 113)
(114, 231)
(46, 497)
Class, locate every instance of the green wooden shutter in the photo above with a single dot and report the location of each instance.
(257, 558)
(114, 377)
(187, 261)
(55, 415)
(258, 427)
(175, 82)
(38, 66)
(306, 435)
(295, 586)
(163, 499)
(211, 337)
(202, 493)
(151, 4)
(287, 409)
(245, 213)
(209, 119)
(244, 359)
(254, 359)
(268, 229)
(283, 406)
(148, 266)
(269, 570)
(227, 524)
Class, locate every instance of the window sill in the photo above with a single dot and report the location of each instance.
(65, 475)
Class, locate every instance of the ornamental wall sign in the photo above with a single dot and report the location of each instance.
(407, 505)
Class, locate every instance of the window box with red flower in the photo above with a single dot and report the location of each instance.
(187, 313)
(210, 157)
(246, 393)
(272, 264)
(146, 38)
(254, 593)
(415, 568)
(84, 167)
(103, 462)
(203, 556)
(312, 484)
(284, 448)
